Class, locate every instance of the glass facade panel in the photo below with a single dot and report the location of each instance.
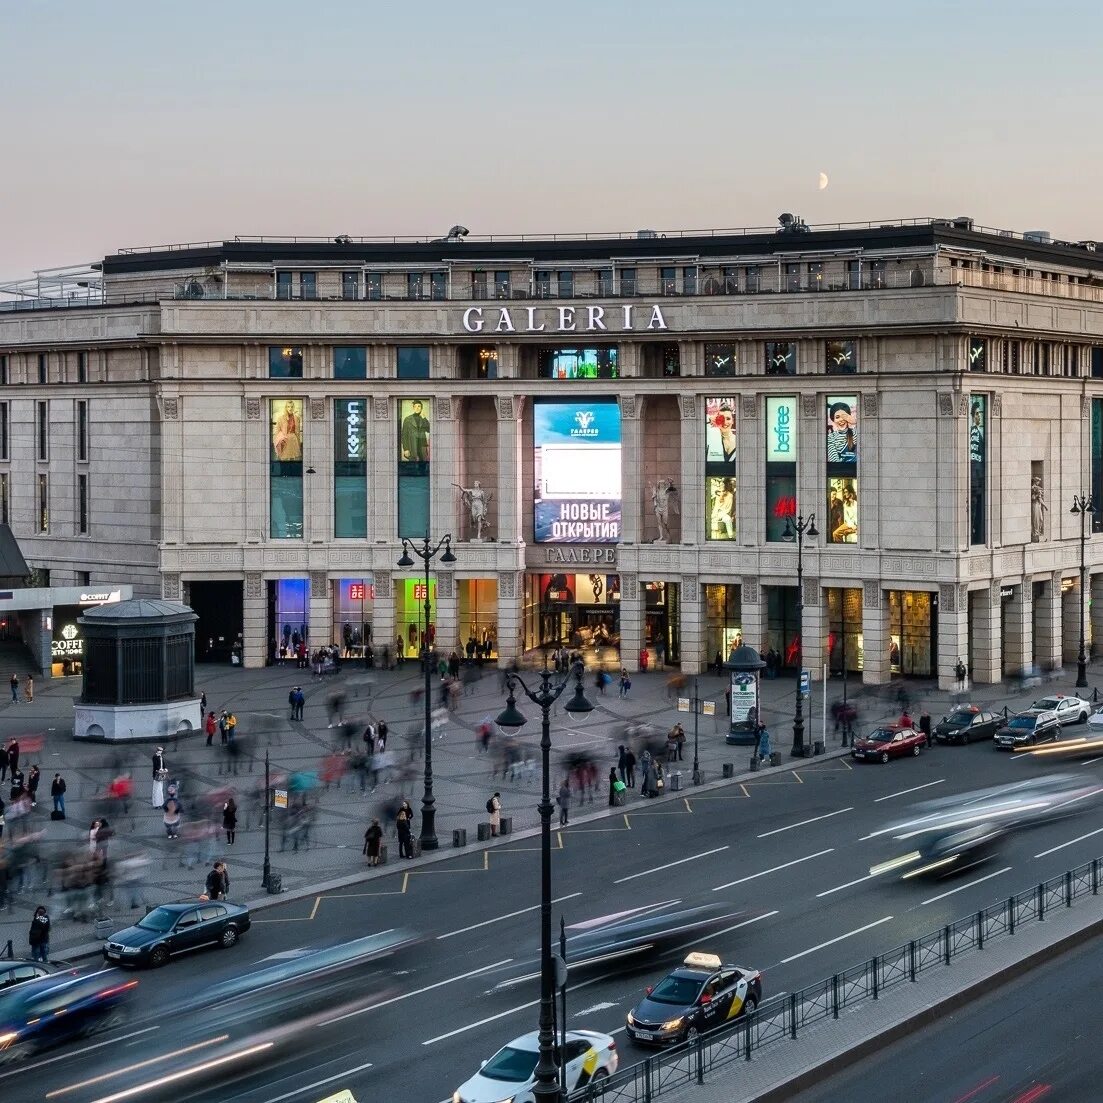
(414, 447)
(720, 359)
(781, 358)
(289, 602)
(478, 609)
(413, 362)
(913, 623)
(723, 621)
(978, 465)
(285, 362)
(285, 458)
(352, 600)
(409, 616)
(572, 363)
(841, 357)
(350, 362)
(844, 629)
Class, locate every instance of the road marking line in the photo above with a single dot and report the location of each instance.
(969, 1094)
(626, 823)
(904, 792)
(688, 808)
(849, 884)
(798, 777)
(832, 941)
(744, 788)
(670, 865)
(417, 992)
(499, 918)
(1078, 839)
(846, 763)
(814, 819)
(319, 1083)
(774, 869)
(317, 905)
(962, 888)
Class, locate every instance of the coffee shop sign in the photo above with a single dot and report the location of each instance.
(562, 319)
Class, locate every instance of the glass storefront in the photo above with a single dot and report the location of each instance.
(581, 611)
(782, 633)
(661, 619)
(409, 615)
(913, 632)
(478, 609)
(844, 629)
(288, 614)
(723, 620)
(351, 600)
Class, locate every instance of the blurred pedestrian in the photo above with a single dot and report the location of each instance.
(57, 794)
(229, 820)
(563, 799)
(130, 873)
(622, 763)
(3, 763)
(202, 702)
(614, 781)
(216, 883)
(15, 688)
(210, 726)
(13, 755)
(925, 726)
(39, 936)
(373, 839)
(630, 765)
(171, 818)
(625, 682)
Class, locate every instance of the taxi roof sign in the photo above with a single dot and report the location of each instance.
(702, 961)
(341, 1097)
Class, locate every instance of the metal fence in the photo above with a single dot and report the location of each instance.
(691, 1062)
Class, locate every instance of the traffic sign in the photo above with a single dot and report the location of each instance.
(805, 682)
(683, 704)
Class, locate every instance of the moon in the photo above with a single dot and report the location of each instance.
(823, 180)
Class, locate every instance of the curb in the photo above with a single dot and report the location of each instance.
(445, 854)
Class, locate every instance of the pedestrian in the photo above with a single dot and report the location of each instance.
(650, 784)
(158, 761)
(404, 829)
(216, 886)
(229, 820)
(679, 740)
(104, 833)
(905, 720)
(57, 794)
(300, 702)
(614, 781)
(13, 754)
(39, 936)
(28, 688)
(32, 784)
(625, 682)
(660, 652)
(3, 763)
(15, 688)
(210, 727)
(630, 764)
(171, 818)
(92, 836)
(373, 840)
(222, 726)
(231, 727)
(494, 808)
(563, 799)
(925, 726)
(960, 672)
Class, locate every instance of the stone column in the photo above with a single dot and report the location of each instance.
(753, 613)
(690, 358)
(446, 612)
(875, 634)
(1047, 621)
(986, 666)
(256, 446)
(695, 657)
(813, 620)
(255, 621)
(172, 480)
(1070, 621)
(691, 488)
(383, 626)
(1095, 589)
(510, 408)
(444, 470)
(629, 360)
(319, 611)
(632, 490)
(953, 632)
(631, 621)
(317, 488)
(750, 505)
(510, 596)
(383, 472)
(869, 487)
(1019, 615)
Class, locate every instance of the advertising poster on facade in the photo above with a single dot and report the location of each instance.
(978, 463)
(285, 454)
(576, 468)
(720, 507)
(842, 430)
(286, 419)
(720, 436)
(350, 468)
(842, 511)
(781, 430)
(413, 436)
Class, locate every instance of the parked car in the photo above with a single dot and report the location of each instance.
(966, 724)
(1068, 709)
(888, 741)
(175, 929)
(1025, 729)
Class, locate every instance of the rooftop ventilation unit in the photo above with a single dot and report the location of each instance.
(1005, 233)
(963, 222)
(647, 234)
(1042, 237)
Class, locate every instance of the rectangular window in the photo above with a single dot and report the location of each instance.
(841, 357)
(689, 281)
(671, 361)
(283, 285)
(414, 449)
(82, 367)
(978, 354)
(501, 285)
(285, 362)
(721, 454)
(729, 277)
(1072, 361)
(792, 276)
(42, 375)
(541, 285)
(668, 281)
(605, 281)
(1041, 358)
(628, 281)
(576, 363)
(754, 279)
(413, 362)
(854, 275)
(350, 468)
(5, 497)
(438, 286)
(82, 431)
(43, 513)
(877, 274)
(350, 285)
(308, 285)
(565, 280)
(285, 461)
(42, 427)
(978, 463)
(478, 285)
(414, 285)
(82, 505)
(781, 358)
(815, 276)
(350, 362)
(781, 466)
(1097, 363)
(3, 371)
(719, 359)
(5, 419)
(374, 286)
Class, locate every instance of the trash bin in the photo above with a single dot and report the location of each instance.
(729, 769)
(620, 797)
(484, 832)
(676, 781)
(775, 758)
(754, 764)
(459, 836)
(415, 846)
(505, 825)
(275, 884)
(382, 854)
(104, 927)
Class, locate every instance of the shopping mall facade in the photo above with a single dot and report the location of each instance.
(253, 426)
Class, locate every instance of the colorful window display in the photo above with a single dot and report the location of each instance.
(721, 457)
(841, 449)
(414, 450)
(285, 416)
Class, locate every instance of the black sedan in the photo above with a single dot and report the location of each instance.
(967, 725)
(175, 929)
(699, 995)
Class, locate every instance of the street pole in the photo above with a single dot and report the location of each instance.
(427, 553)
(696, 712)
(267, 872)
(547, 1086)
(1083, 506)
(798, 529)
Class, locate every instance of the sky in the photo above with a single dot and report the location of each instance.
(142, 122)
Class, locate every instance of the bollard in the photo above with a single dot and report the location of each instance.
(753, 766)
(275, 884)
(676, 781)
(483, 832)
(775, 758)
(505, 825)
(459, 836)
(729, 769)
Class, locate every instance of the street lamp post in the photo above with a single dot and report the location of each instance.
(547, 1088)
(267, 871)
(696, 713)
(427, 553)
(1083, 506)
(797, 530)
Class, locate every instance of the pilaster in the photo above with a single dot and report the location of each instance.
(986, 646)
(694, 653)
(691, 488)
(632, 488)
(875, 634)
(1047, 624)
(510, 408)
(953, 632)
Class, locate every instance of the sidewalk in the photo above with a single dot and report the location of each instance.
(462, 774)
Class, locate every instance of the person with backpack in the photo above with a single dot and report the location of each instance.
(57, 794)
(494, 810)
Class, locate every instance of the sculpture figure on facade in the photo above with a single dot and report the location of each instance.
(477, 502)
(1038, 510)
(664, 502)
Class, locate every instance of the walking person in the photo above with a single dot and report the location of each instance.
(373, 841)
(630, 765)
(563, 799)
(229, 820)
(960, 673)
(3, 763)
(625, 682)
(57, 795)
(171, 818)
(13, 755)
(622, 763)
(614, 781)
(15, 689)
(39, 936)
(494, 808)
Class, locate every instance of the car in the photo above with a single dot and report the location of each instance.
(966, 724)
(1068, 709)
(699, 995)
(50, 1010)
(16, 972)
(590, 1057)
(1095, 722)
(1025, 729)
(177, 929)
(888, 741)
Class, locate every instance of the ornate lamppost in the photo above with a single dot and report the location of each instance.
(797, 530)
(1083, 506)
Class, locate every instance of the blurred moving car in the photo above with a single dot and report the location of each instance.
(16, 972)
(176, 929)
(1026, 729)
(967, 724)
(692, 999)
(590, 1057)
(888, 741)
(50, 1010)
(1067, 708)
(1095, 722)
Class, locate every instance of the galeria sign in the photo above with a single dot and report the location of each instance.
(562, 319)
